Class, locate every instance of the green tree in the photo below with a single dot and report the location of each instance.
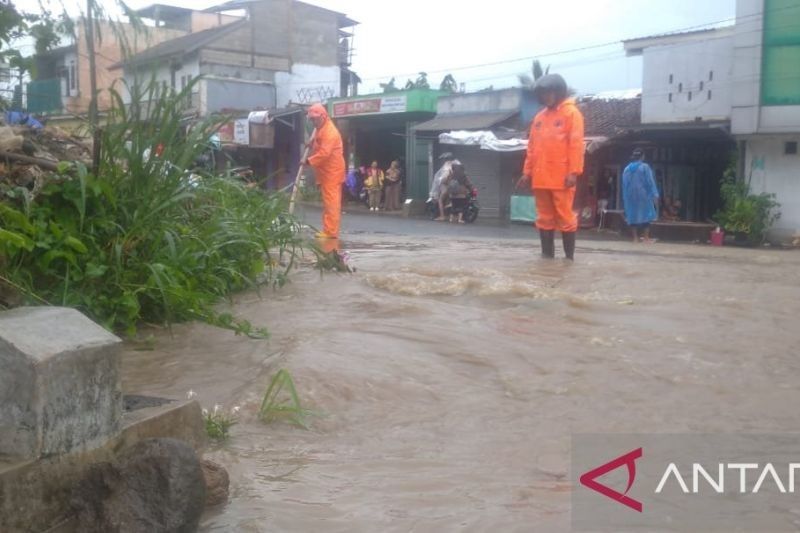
(449, 84)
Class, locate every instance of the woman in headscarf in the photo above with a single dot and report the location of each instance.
(392, 186)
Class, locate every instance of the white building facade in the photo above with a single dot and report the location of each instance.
(745, 76)
(765, 113)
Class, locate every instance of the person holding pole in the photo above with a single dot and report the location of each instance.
(327, 160)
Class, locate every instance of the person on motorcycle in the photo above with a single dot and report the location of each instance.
(553, 163)
(458, 190)
(442, 175)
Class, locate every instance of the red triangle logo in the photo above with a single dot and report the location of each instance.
(589, 479)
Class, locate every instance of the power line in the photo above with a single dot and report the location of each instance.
(707, 25)
(620, 54)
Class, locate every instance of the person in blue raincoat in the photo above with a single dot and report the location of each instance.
(639, 196)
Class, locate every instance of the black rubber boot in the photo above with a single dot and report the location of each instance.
(569, 245)
(548, 238)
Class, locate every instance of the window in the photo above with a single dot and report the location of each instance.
(670, 98)
(72, 82)
(702, 85)
(670, 78)
(780, 78)
(680, 87)
(690, 96)
(790, 148)
(710, 75)
(709, 94)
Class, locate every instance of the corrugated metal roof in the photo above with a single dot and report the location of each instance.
(181, 45)
(465, 121)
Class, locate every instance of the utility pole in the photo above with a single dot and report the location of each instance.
(93, 126)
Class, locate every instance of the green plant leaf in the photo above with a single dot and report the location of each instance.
(76, 245)
(17, 240)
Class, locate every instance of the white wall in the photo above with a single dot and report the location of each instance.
(690, 63)
(747, 67)
(771, 171)
(190, 66)
(502, 100)
(307, 84)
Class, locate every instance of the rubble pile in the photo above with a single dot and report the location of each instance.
(27, 155)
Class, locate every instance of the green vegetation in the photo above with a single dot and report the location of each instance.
(277, 406)
(746, 215)
(145, 239)
(218, 423)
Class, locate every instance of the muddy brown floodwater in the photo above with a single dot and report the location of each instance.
(450, 375)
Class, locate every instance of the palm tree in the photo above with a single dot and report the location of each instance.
(449, 84)
(389, 87)
(529, 81)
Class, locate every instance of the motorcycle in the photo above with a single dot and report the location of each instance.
(470, 211)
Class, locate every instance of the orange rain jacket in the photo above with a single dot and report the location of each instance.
(555, 146)
(327, 157)
(329, 170)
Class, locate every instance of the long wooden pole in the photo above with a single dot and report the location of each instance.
(296, 186)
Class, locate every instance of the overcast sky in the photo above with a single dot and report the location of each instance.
(401, 37)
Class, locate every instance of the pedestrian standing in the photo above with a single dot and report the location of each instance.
(374, 185)
(639, 196)
(554, 162)
(392, 185)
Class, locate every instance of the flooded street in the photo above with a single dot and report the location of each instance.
(449, 375)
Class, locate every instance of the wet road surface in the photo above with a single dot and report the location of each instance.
(451, 369)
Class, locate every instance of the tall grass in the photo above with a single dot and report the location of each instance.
(141, 241)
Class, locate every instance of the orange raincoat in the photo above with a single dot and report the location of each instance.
(327, 160)
(555, 150)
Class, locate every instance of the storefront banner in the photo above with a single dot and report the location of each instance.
(371, 106)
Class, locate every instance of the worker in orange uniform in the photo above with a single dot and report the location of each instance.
(327, 160)
(553, 164)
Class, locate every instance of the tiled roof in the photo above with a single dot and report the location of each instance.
(610, 117)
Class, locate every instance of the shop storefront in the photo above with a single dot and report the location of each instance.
(377, 127)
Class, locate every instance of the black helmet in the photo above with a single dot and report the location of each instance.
(551, 82)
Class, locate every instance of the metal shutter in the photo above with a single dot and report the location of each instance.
(483, 170)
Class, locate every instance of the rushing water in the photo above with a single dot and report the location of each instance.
(449, 376)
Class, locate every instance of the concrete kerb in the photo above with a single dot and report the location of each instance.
(61, 411)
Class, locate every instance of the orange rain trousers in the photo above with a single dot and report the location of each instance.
(328, 162)
(554, 209)
(331, 207)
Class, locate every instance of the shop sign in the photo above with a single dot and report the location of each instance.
(371, 106)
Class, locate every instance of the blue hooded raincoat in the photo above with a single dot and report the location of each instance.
(639, 193)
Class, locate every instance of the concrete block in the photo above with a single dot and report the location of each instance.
(60, 387)
(35, 495)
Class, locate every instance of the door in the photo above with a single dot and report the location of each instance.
(419, 155)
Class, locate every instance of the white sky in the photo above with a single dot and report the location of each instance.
(400, 37)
